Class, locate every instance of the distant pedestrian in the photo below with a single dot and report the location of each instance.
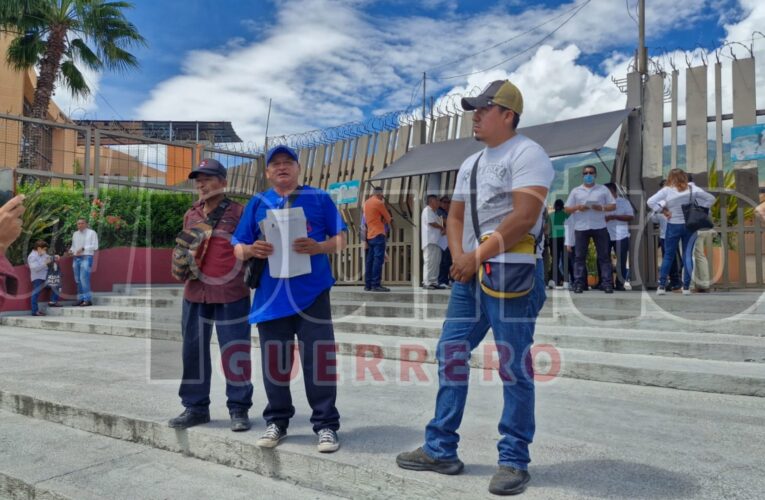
(39, 263)
(669, 201)
(556, 222)
(590, 202)
(432, 229)
(84, 247)
(617, 223)
(443, 243)
(377, 218)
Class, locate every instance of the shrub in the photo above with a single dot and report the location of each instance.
(121, 217)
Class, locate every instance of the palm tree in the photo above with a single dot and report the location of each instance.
(57, 36)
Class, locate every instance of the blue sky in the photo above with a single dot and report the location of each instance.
(326, 62)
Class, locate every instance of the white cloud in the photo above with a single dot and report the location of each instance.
(327, 62)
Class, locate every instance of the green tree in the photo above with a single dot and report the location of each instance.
(58, 37)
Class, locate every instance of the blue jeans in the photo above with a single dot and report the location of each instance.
(677, 237)
(82, 266)
(233, 328)
(469, 315)
(375, 258)
(37, 287)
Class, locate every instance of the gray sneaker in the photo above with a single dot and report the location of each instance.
(509, 481)
(328, 441)
(419, 460)
(272, 436)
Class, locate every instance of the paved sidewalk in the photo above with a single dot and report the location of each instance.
(594, 440)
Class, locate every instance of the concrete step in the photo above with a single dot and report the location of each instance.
(52, 461)
(133, 322)
(605, 447)
(678, 361)
(724, 303)
(555, 312)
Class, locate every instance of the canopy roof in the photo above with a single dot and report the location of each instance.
(566, 137)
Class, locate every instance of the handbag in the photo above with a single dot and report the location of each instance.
(514, 277)
(184, 266)
(254, 266)
(53, 278)
(696, 216)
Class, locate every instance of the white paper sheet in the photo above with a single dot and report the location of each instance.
(281, 228)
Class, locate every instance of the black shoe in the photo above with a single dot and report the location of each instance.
(188, 419)
(578, 289)
(85, 303)
(239, 421)
(608, 289)
(367, 288)
(509, 481)
(419, 460)
(380, 289)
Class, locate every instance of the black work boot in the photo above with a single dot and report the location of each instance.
(509, 481)
(188, 419)
(239, 421)
(419, 460)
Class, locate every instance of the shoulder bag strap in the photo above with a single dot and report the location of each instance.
(474, 199)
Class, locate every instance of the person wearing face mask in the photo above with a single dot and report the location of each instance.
(590, 202)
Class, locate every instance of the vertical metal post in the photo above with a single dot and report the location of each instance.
(423, 140)
(96, 160)
(268, 122)
(86, 163)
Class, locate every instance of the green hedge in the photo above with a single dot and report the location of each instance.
(121, 217)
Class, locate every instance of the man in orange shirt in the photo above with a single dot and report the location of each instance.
(377, 217)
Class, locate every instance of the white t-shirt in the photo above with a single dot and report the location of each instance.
(429, 234)
(517, 163)
(674, 200)
(598, 194)
(617, 229)
(87, 240)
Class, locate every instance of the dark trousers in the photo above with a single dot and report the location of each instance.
(621, 250)
(446, 264)
(375, 258)
(582, 243)
(316, 346)
(233, 329)
(558, 260)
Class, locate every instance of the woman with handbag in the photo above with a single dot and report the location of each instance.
(684, 205)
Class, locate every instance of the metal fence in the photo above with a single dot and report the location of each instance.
(94, 158)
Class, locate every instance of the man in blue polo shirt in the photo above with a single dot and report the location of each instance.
(285, 307)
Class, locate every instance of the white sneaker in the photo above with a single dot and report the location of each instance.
(272, 436)
(551, 284)
(686, 291)
(661, 290)
(627, 286)
(328, 441)
(566, 285)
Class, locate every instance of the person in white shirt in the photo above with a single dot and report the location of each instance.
(617, 223)
(669, 200)
(513, 175)
(84, 246)
(38, 262)
(431, 230)
(590, 202)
